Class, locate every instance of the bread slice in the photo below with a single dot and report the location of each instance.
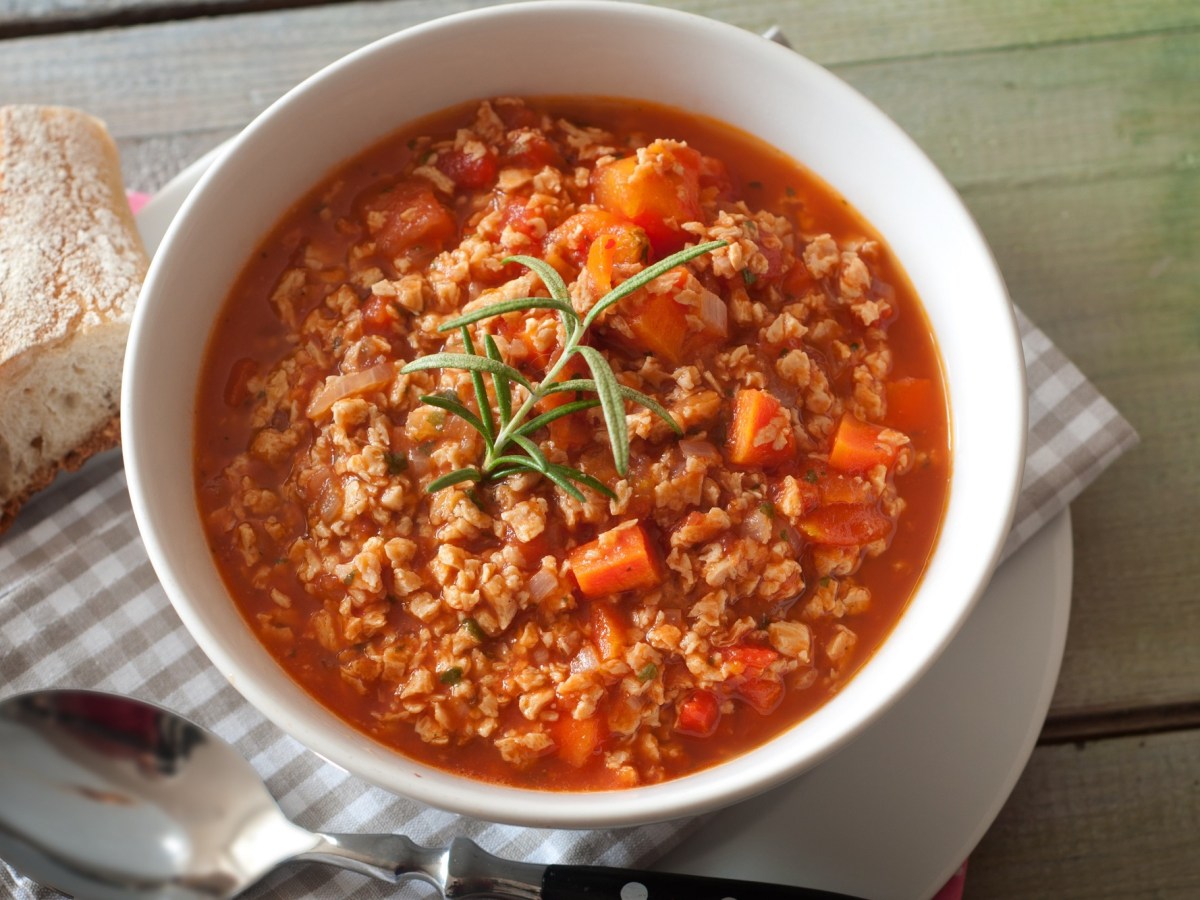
(71, 266)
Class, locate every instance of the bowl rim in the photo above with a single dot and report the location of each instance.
(746, 775)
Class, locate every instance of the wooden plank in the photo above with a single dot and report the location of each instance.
(997, 119)
(1076, 112)
(1116, 818)
(831, 31)
(1111, 270)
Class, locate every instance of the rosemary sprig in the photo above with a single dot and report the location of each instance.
(505, 431)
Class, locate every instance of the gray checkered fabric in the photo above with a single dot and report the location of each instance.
(80, 607)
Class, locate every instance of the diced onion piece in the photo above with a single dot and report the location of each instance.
(586, 660)
(757, 526)
(542, 585)
(340, 386)
(714, 315)
(699, 449)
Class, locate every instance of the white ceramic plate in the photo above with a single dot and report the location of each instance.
(895, 812)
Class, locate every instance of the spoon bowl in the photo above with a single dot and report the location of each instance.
(106, 797)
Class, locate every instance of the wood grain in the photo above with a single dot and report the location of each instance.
(1110, 819)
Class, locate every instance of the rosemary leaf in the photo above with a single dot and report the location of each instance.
(481, 398)
(456, 477)
(441, 401)
(612, 404)
(519, 462)
(565, 483)
(534, 451)
(557, 413)
(651, 404)
(503, 307)
(648, 274)
(548, 274)
(574, 385)
(503, 394)
(468, 362)
(583, 478)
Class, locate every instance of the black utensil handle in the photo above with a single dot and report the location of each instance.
(600, 883)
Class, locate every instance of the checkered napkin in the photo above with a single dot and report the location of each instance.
(80, 607)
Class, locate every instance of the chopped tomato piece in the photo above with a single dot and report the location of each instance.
(237, 389)
(471, 171)
(660, 194)
(621, 559)
(764, 694)
(608, 630)
(911, 402)
(415, 220)
(857, 447)
(517, 115)
(845, 525)
(836, 487)
(714, 175)
(761, 432)
(698, 714)
(376, 316)
(753, 657)
(530, 149)
(577, 739)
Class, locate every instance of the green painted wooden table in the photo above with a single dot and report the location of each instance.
(1072, 130)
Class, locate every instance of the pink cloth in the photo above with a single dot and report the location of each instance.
(137, 200)
(953, 889)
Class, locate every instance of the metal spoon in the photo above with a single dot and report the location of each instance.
(103, 796)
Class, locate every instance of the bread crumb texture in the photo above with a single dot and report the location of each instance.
(71, 266)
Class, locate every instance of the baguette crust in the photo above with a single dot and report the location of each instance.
(71, 266)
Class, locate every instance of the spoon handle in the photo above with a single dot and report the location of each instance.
(599, 883)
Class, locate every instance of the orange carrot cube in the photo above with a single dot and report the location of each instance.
(621, 559)
(761, 432)
(857, 446)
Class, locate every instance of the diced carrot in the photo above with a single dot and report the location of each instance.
(764, 694)
(698, 714)
(570, 242)
(659, 325)
(620, 244)
(414, 219)
(621, 559)
(577, 739)
(659, 196)
(237, 389)
(845, 525)
(468, 170)
(857, 447)
(911, 403)
(761, 433)
(608, 630)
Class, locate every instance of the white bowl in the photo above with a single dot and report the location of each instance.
(578, 48)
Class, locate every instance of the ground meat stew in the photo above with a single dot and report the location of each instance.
(741, 572)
